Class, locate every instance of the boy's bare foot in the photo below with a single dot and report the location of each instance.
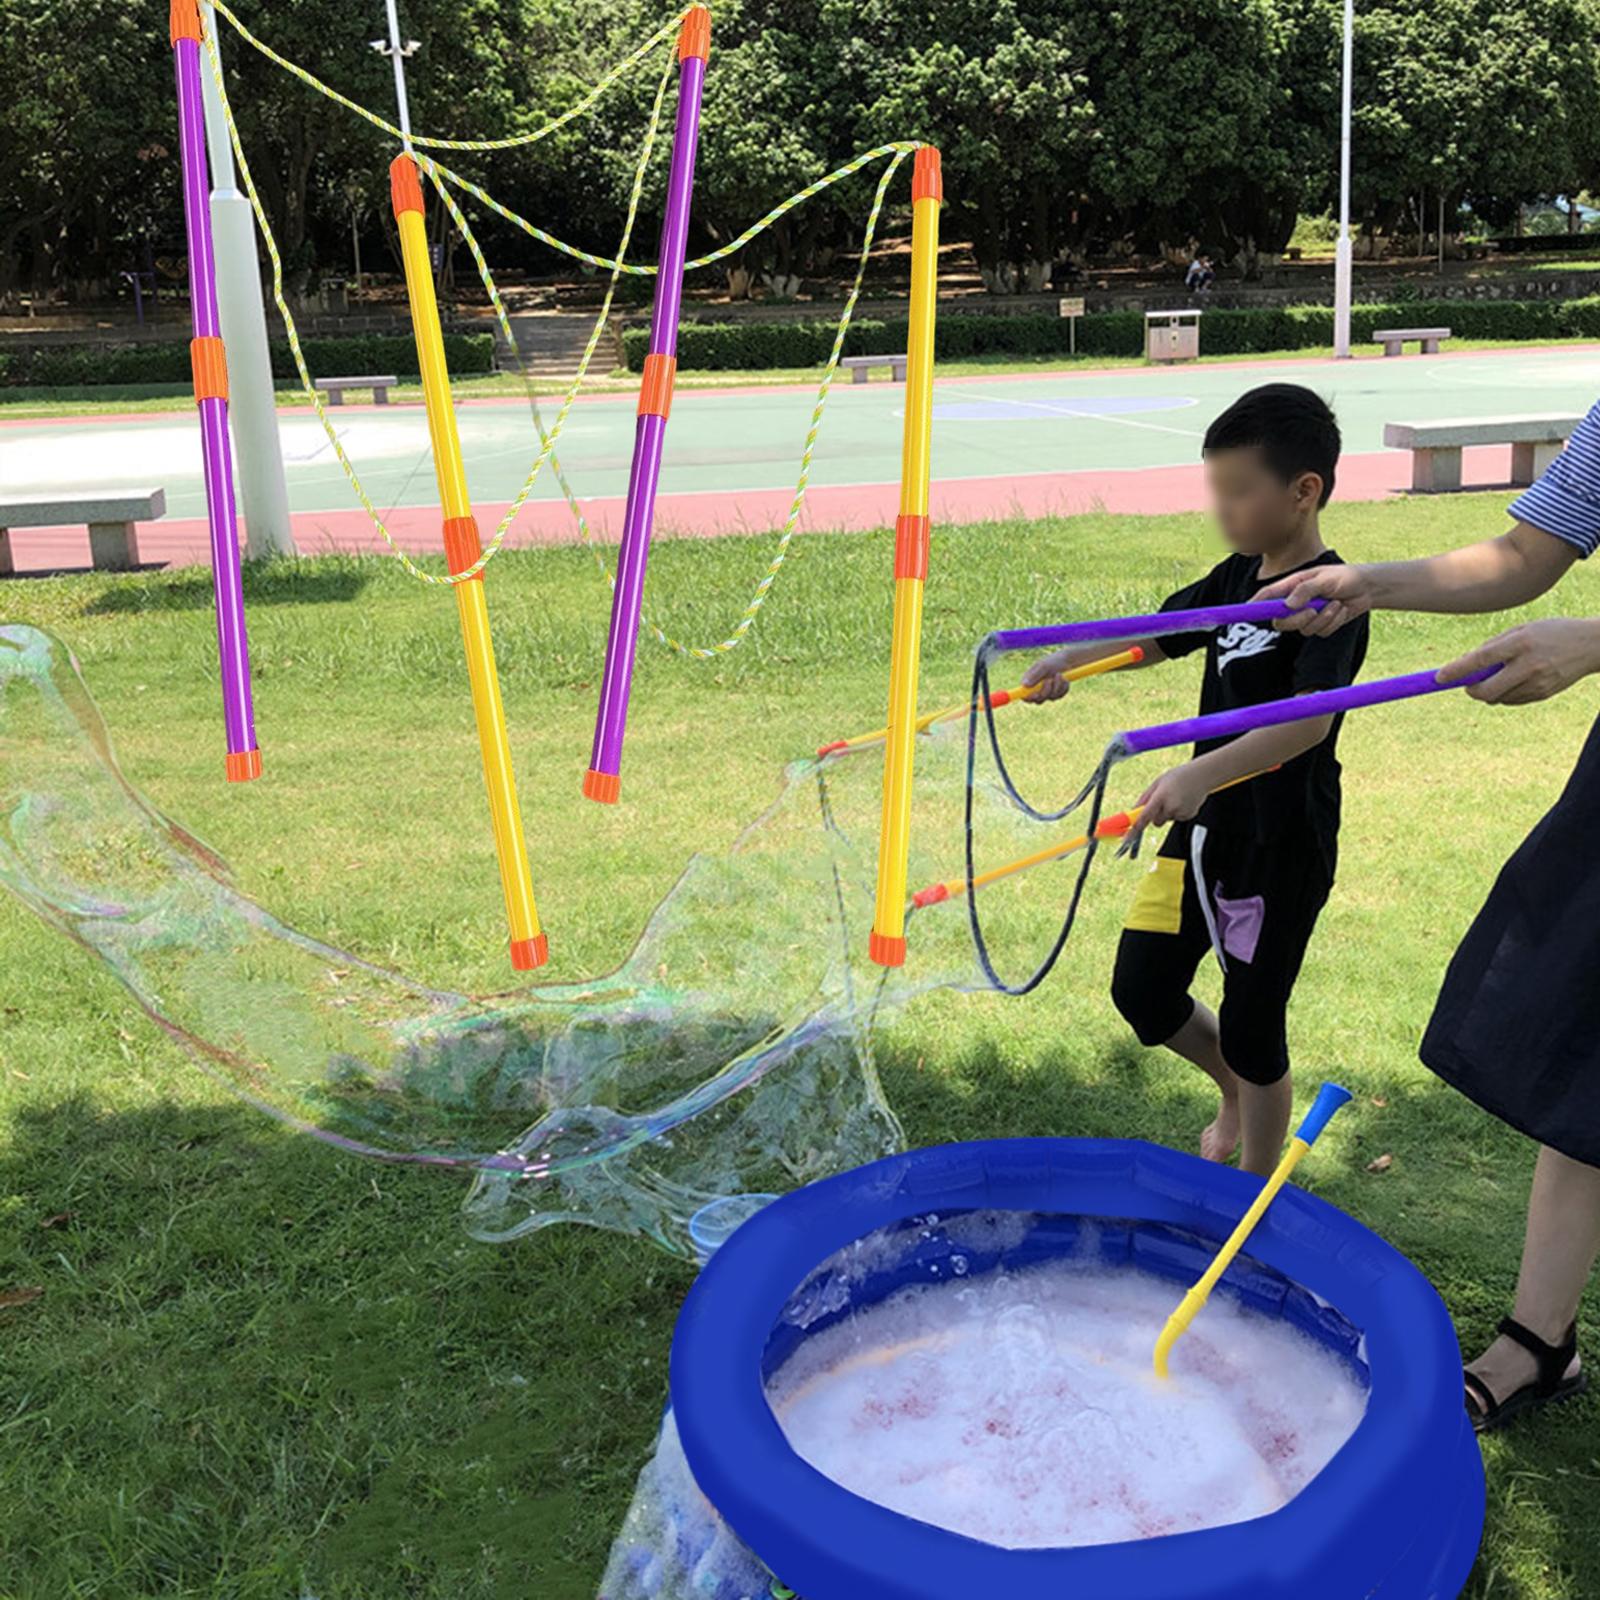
(1221, 1139)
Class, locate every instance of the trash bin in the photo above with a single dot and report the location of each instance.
(1172, 335)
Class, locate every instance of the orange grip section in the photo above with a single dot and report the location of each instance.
(1113, 827)
(694, 37)
(885, 951)
(606, 787)
(183, 21)
(461, 544)
(911, 547)
(405, 186)
(933, 895)
(927, 181)
(655, 389)
(1001, 697)
(526, 954)
(208, 360)
(826, 750)
(243, 766)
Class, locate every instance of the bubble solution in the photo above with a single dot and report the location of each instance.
(1021, 1407)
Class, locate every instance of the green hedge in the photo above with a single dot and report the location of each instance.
(64, 365)
(726, 346)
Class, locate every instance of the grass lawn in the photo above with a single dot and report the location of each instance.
(84, 401)
(260, 1368)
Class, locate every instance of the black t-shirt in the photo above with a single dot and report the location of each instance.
(1247, 665)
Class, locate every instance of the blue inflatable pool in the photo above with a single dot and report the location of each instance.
(1397, 1514)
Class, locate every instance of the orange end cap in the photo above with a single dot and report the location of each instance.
(405, 185)
(1136, 651)
(655, 388)
(1112, 826)
(932, 895)
(243, 766)
(826, 750)
(911, 547)
(927, 180)
(526, 954)
(461, 544)
(208, 361)
(1001, 697)
(183, 21)
(885, 951)
(606, 787)
(694, 37)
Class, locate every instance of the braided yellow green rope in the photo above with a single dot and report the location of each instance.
(897, 147)
(791, 523)
(667, 30)
(279, 299)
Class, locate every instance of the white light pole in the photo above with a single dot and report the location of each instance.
(397, 53)
(252, 408)
(1344, 256)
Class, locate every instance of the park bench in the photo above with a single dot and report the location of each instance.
(1436, 446)
(111, 519)
(334, 388)
(1394, 339)
(861, 367)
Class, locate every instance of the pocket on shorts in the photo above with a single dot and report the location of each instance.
(1158, 904)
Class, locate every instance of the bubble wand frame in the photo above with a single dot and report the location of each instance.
(208, 359)
(603, 780)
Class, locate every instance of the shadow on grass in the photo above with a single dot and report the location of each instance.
(261, 1368)
(269, 582)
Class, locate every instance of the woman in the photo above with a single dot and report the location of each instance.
(1517, 1023)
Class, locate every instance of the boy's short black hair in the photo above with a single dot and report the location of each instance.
(1292, 427)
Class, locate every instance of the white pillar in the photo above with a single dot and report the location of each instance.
(252, 410)
(1344, 259)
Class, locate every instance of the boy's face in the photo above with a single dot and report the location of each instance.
(1256, 510)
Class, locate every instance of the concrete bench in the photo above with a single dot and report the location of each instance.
(111, 519)
(1393, 339)
(334, 388)
(1436, 446)
(861, 367)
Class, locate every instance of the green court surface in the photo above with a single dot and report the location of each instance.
(740, 441)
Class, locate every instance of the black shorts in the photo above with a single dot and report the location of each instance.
(1255, 905)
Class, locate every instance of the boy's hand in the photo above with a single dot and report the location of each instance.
(1175, 796)
(1345, 592)
(1044, 677)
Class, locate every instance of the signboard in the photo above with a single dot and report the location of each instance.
(1070, 307)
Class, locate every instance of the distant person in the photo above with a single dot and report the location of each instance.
(1244, 871)
(1200, 276)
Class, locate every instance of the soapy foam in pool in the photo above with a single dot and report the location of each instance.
(1021, 1408)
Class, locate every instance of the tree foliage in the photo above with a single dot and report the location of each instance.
(1066, 125)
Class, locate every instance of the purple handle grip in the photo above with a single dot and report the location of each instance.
(1202, 619)
(1273, 714)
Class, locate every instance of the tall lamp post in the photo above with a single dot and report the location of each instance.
(1343, 261)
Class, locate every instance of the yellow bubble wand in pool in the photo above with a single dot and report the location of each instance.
(1330, 1097)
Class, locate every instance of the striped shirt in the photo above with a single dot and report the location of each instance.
(1565, 502)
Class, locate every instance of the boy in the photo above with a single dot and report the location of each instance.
(1243, 871)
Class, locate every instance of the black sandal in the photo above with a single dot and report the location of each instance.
(1549, 1387)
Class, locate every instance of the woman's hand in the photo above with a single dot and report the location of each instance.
(1044, 677)
(1346, 593)
(1176, 796)
(1537, 660)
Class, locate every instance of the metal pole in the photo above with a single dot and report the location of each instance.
(252, 407)
(1344, 258)
(397, 53)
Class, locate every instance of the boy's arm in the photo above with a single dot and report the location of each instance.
(1046, 671)
(1178, 794)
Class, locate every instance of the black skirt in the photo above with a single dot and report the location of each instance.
(1517, 1024)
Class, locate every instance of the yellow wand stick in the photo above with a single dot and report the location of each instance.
(1330, 1097)
(1001, 697)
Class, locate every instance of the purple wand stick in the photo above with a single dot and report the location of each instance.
(211, 396)
(603, 780)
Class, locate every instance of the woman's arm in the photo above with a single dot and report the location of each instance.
(1493, 575)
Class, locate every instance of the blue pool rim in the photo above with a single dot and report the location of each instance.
(1397, 1513)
